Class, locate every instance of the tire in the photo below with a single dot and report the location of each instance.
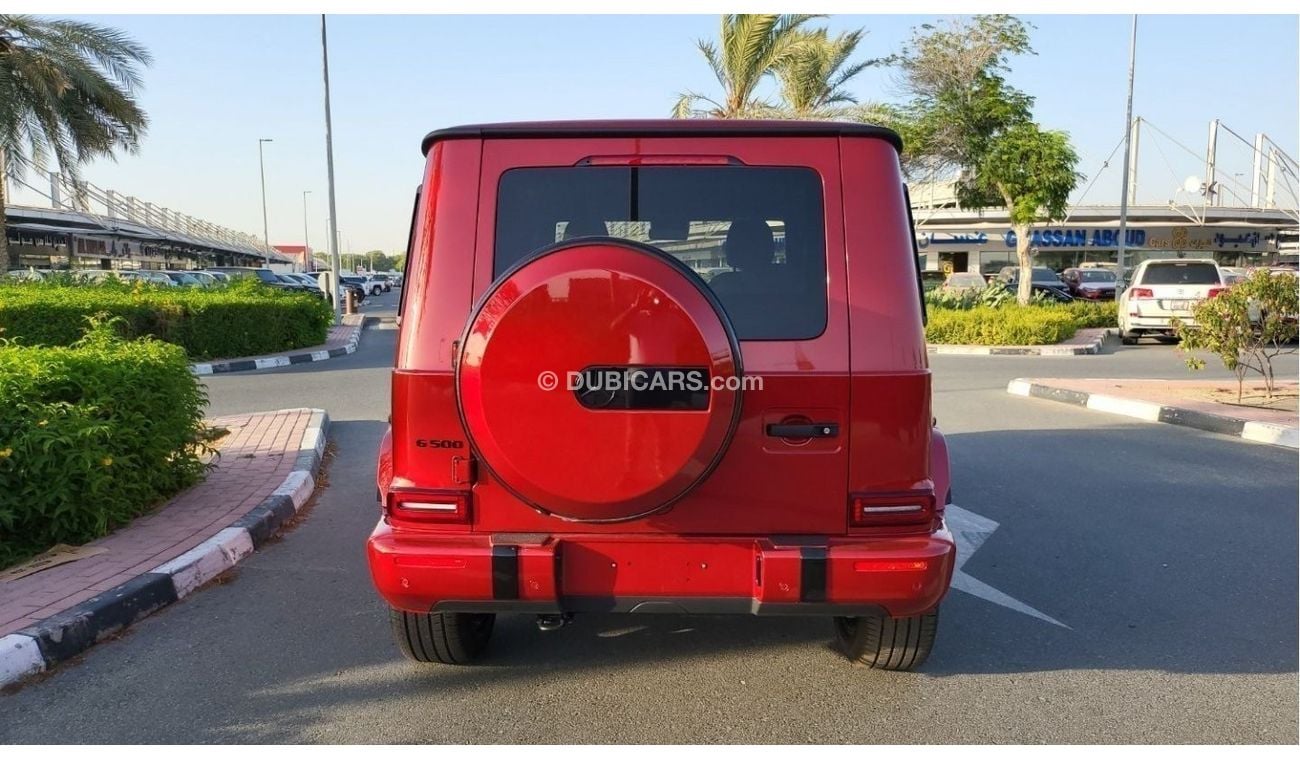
(376, 290)
(887, 643)
(1127, 338)
(450, 638)
(1168, 340)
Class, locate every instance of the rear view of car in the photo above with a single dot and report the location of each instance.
(1094, 284)
(581, 423)
(1164, 289)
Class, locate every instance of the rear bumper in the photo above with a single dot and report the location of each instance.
(899, 576)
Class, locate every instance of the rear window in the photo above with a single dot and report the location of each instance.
(1181, 273)
(1096, 275)
(755, 235)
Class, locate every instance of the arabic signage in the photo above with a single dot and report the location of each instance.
(1149, 238)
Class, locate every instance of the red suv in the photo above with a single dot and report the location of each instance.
(662, 366)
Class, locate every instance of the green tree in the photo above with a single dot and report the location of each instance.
(750, 47)
(964, 118)
(1247, 327)
(812, 78)
(67, 89)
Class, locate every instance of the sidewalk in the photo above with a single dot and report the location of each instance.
(342, 340)
(1174, 402)
(1084, 342)
(265, 472)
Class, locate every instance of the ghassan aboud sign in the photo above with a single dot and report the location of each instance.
(1150, 238)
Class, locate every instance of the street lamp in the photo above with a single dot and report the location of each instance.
(306, 246)
(261, 165)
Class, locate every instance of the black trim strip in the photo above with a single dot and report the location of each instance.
(812, 574)
(676, 605)
(505, 571)
(664, 128)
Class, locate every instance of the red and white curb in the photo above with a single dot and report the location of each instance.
(51, 641)
(1149, 411)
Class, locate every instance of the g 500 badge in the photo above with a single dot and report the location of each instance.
(433, 443)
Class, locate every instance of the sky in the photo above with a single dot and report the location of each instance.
(218, 83)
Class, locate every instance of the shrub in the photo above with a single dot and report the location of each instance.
(1246, 327)
(91, 436)
(1011, 325)
(240, 320)
(1095, 313)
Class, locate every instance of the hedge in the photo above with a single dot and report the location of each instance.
(243, 319)
(92, 436)
(1001, 326)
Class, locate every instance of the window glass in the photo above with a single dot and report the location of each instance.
(1181, 273)
(755, 235)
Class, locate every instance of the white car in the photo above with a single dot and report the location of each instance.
(1161, 290)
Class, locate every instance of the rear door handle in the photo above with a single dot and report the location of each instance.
(810, 430)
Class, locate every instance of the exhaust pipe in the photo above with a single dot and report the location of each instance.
(553, 622)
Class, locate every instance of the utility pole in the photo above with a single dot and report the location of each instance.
(1128, 137)
(329, 162)
(261, 165)
(306, 245)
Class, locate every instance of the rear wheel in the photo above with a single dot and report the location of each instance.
(887, 643)
(1128, 338)
(1167, 339)
(452, 638)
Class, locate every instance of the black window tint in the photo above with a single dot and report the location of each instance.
(1180, 273)
(756, 235)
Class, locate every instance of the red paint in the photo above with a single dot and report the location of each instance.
(867, 372)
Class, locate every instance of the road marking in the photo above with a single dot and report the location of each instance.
(970, 531)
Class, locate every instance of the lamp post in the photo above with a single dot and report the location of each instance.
(306, 246)
(329, 163)
(1128, 137)
(261, 165)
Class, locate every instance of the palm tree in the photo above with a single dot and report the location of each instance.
(812, 80)
(66, 88)
(751, 46)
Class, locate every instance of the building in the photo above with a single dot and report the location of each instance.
(982, 240)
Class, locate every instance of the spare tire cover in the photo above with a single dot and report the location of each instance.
(600, 306)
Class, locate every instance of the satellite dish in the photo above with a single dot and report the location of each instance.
(1193, 184)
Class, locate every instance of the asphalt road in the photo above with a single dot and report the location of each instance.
(1170, 554)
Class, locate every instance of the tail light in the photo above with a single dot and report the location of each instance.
(418, 505)
(897, 509)
(1141, 293)
(1215, 291)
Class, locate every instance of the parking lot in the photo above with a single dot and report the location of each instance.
(1131, 582)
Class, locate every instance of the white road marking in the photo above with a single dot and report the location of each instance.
(970, 531)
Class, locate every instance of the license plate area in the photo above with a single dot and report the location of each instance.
(1178, 304)
(648, 568)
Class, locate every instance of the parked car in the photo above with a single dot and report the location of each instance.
(221, 277)
(1093, 284)
(358, 285)
(264, 274)
(1058, 295)
(959, 282)
(24, 275)
(661, 477)
(932, 278)
(207, 279)
(1161, 290)
(183, 279)
(1039, 276)
(383, 279)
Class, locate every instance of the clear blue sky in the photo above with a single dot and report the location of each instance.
(220, 82)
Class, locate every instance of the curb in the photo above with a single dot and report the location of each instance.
(1149, 411)
(57, 638)
(1093, 347)
(281, 360)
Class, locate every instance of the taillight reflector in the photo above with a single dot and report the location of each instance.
(890, 566)
(1141, 293)
(1215, 291)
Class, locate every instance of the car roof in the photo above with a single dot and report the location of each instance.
(663, 128)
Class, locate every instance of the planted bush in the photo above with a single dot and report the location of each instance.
(994, 326)
(91, 436)
(242, 319)
(1095, 313)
